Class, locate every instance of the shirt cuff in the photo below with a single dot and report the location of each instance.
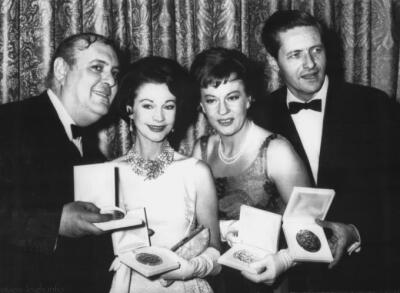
(356, 246)
(55, 244)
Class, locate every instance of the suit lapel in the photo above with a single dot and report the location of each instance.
(56, 132)
(332, 126)
(58, 137)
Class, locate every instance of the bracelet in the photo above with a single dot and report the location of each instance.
(356, 246)
(286, 258)
(206, 263)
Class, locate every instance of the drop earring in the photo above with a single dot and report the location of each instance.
(131, 125)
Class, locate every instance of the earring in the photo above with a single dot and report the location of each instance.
(131, 125)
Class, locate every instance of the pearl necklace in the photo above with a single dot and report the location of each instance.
(230, 160)
(150, 169)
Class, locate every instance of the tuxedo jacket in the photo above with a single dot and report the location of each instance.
(36, 180)
(359, 160)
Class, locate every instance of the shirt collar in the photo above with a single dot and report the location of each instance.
(62, 113)
(321, 94)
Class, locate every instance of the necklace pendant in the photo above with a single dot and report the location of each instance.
(151, 169)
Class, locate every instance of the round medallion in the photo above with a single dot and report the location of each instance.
(308, 240)
(244, 256)
(149, 259)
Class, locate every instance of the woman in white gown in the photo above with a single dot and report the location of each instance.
(178, 192)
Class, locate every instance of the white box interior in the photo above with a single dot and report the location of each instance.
(305, 238)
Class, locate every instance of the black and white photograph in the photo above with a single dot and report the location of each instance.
(135, 124)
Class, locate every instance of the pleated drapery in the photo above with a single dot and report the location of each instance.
(368, 31)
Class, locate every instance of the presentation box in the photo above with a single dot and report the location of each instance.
(133, 249)
(306, 240)
(151, 260)
(99, 184)
(259, 236)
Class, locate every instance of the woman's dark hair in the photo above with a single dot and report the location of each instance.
(284, 20)
(161, 70)
(215, 66)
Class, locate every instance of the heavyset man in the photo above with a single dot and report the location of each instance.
(47, 240)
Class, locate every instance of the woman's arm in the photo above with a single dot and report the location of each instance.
(206, 215)
(285, 168)
(206, 202)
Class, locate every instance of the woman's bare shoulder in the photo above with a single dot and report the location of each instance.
(178, 157)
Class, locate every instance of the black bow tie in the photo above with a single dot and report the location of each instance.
(77, 131)
(295, 107)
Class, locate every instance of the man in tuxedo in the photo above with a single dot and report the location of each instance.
(346, 134)
(47, 240)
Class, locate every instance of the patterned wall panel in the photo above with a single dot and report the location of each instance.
(204, 24)
(35, 43)
(9, 46)
(362, 42)
(163, 27)
(184, 31)
(346, 30)
(67, 19)
(384, 48)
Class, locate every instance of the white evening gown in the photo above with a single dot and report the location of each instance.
(170, 207)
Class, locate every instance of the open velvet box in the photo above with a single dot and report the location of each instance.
(258, 234)
(305, 238)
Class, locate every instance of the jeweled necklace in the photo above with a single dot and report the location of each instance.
(150, 169)
(235, 157)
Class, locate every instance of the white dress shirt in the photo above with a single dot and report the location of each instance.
(309, 126)
(65, 119)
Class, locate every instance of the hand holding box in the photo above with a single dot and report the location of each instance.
(305, 238)
(259, 235)
(99, 184)
(132, 246)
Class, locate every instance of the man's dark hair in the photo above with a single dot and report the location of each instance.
(154, 69)
(284, 20)
(68, 47)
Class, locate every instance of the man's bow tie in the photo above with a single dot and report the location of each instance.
(295, 107)
(77, 131)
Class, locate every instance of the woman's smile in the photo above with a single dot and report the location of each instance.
(156, 128)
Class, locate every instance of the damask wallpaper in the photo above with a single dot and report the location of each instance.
(367, 31)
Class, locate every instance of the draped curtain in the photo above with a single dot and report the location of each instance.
(30, 30)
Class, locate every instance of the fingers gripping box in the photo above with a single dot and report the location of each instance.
(133, 248)
(305, 238)
(258, 234)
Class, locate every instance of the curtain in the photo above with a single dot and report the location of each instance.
(368, 31)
